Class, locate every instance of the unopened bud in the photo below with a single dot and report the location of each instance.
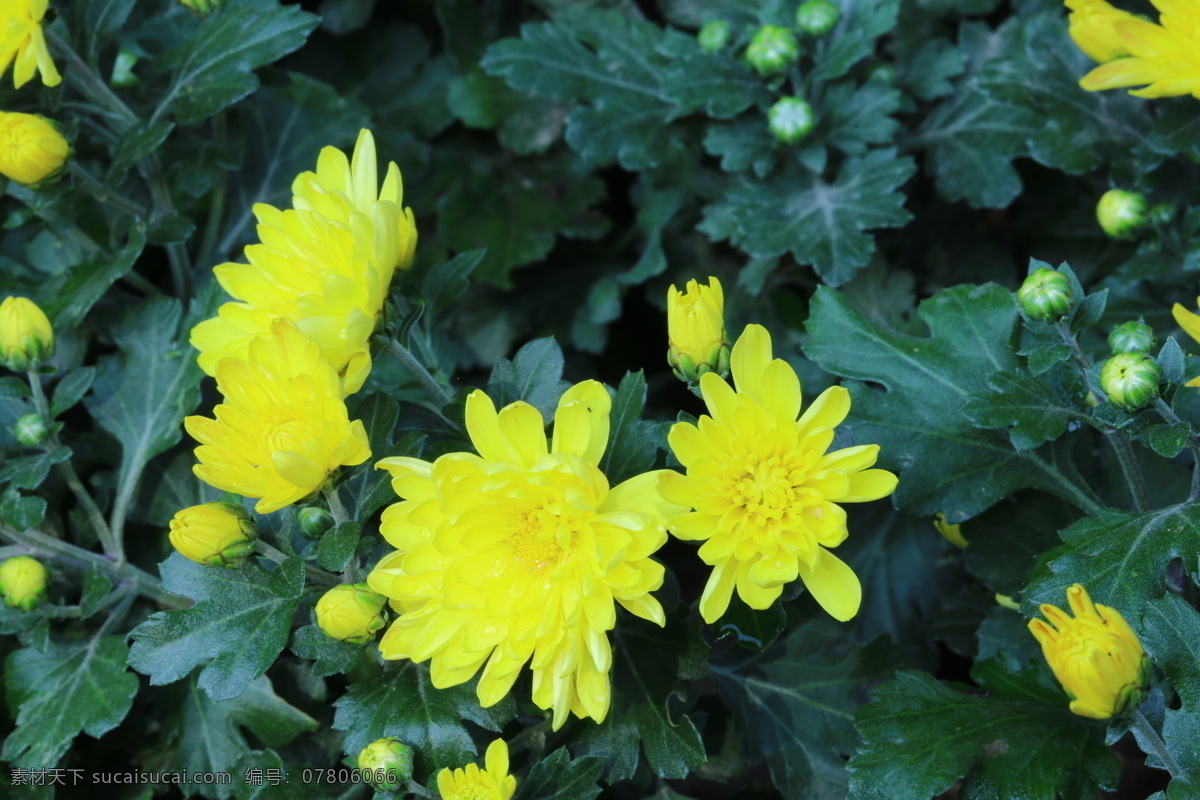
(23, 582)
(696, 333)
(1131, 336)
(1131, 380)
(773, 49)
(351, 613)
(202, 7)
(1045, 295)
(314, 521)
(214, 534)
(1122, 214)
(790, 119)
(30, 430)
(817, 17)
(713, 36)
(26, 338)
(387, 762)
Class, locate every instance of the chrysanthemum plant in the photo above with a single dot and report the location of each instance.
(674, 459)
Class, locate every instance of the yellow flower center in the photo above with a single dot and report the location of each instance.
(533, 545)
(287, 430)
(769, 489)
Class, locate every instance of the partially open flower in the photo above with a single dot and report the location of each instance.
(26, 338)
(351, 613)
(696, 330)
(473, 783)
(31, 148)
(214, 534)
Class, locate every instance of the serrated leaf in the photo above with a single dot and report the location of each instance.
(28, 472)
(22, 513)
(853, 39)
(1170, 632)
(446, 282)
(920, 737)
(70, 298)
(96, 587)
(928, 70)
(331, 657)
(404, 703)
(820, 223)
(534, 375)
(1007, 539)
(337, 546)
(81, 687)
(742, 144)
(1044, 355)
(859, 116)
(216, 66)
(557, 777)
(631, 440)
(135, 144)
(1036, 412)
(241, 622)
(1089, 311)
(71, 389)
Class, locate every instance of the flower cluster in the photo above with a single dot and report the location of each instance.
(31, 147)
(1132, 51)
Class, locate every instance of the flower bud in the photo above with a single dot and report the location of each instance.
(351, 613)
(388, 762)
(1122, 214)
(26, 338)
(30, 430)
(1130, 380)
(817, 17)
(1093, 27)
(1131, 336)
(790, 119)
(123, 76)
(31, 148)
(773, 49)
(883, 72)
(23, 582)
(1045, 295)
(314, 521)
(1006, 601)
(713, 36)
(1095, 655)
(696, 330)
(953, 533)
(214, 534)
(202, 7)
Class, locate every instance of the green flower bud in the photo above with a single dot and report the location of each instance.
(314, 521)
(1122, 214)
(790, 119)
(202, 7)
(214, 534)
(713, 36)
(1131, 380)
(883, 72)
(122, 72)
(30, 430)
(388, 762)
(351, 613)
(1130, 336)
(1045, 295)
(773, 49)
(817, 17)
(23, 582)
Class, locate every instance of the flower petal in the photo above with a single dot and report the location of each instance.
(833, 584)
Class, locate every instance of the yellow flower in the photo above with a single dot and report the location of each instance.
(1096, 656)
(325, 264)
(1191, 326)
(519, 553)
(21, 40)
(213, 534)
(351, 613)
(1162, 57)
(26, 338)
(953, 533)
(283, 426)
(696, 330)
(473, 783)
(764, 490)
(31, 148)
(1093, 27)
(23, 582)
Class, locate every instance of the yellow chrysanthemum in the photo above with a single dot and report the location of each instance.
(1095, 655)
(31, 148)
(283, 426)
(1093, 27)
(1162, 57)
(473, 783)
(325, 264)
(696, 330)
(519, 553)
(764, 490)
(22, 43)
(1191, 326)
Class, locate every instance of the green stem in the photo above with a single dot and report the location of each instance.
(1150, 738)
(92, 85)
(146, 584)
(336, 509)
(102, 192)
(177, 254)
(278, 556)
(1168, 414)
(216, 209)
(412, 787)
(1069, 339)
(434, 389)
(1130, 468)
(110, 542)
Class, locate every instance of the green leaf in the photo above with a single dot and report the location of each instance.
(557, 776)
(135, 144)
(858, 116)
(404, 703)
(647, 667)
(534, 375)
(754, 630)
(96, 22)
(1007, 539)
(1170, 632)
(72, 296)
(96, 587)
(20, 512)
(794, 708)
(337, 546)
(1168, 440)
(631, 440)
(945, 463)
(446, 282)
(1170, 358)
(862, 22)
(216, 66)
(928, 70)
(170, 485)
(71, 389)
(28, 472)
(331, 656)
(920, 737)
(241, 621)
(745, 143)
(1120, 556)
(820, 223)
(1036, 411)
(82, 686)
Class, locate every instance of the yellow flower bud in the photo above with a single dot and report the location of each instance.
(696, 330)
(214, 534)
(1093, 27)
(23, 582)
(351, 613)
(1095, 655)
(26, 338)
(953, 533)
(1006, 601)
(31, 148)
(388, 762)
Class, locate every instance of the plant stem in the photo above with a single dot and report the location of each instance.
(92, 85)
(418, 371)
(336, 509)
(278, 556)
(110, 543)
(1150, 738)
(1130, 468)
(146, 584)
(216, 208)
(1168, 414)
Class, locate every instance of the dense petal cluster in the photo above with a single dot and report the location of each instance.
(765, 492)
(1162, 58)
(283, 425)
(325, 264)
(31, 148)
(520, 553)
(472, 783)
(22, 43)
(1095, 655)
(696, 330)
